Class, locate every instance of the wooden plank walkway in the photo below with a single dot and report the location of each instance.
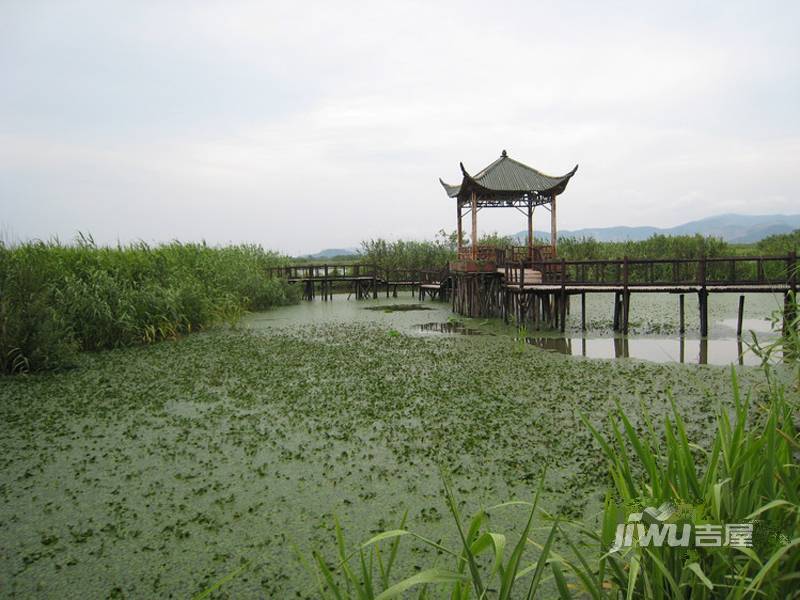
(540, 289)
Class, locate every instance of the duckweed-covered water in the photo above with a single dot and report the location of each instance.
(155, 471)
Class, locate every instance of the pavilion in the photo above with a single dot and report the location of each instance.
(507, 183)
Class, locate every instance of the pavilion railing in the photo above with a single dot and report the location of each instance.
(503, 255)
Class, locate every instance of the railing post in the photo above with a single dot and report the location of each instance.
(563, 307)
(790, 298)
(702, 296)
(701, 271)
(626, 298)
(625, 272)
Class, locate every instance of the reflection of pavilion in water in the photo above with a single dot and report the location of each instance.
(619, 347)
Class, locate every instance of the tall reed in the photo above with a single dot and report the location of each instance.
(56, 299)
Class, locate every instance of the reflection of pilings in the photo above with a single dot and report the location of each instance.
(682, 346)
(703, 360)
(554, 344)
(621, 347)
(740, 350)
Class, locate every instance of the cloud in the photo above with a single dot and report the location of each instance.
(301, 127)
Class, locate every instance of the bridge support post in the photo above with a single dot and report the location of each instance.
(790, 298)
(626, 309)
(618, 311)
(740, 318)
(583, 312)
(702, 298)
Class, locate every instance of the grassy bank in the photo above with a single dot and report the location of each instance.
(57, 299)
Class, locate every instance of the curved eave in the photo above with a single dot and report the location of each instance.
(452, 190)
(559, 184)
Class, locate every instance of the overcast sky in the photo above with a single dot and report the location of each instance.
(304, 125)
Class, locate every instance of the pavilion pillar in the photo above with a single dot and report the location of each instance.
(474, 226)
(530, 230)
(460, 229)
(553, 229)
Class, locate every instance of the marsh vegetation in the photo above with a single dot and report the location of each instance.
(230, 461)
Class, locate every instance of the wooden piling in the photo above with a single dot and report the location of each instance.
(682, 328)
(626, 295)
(626, 309)
(702, 298)
(741, 317)
(790, 298)
(583, 311)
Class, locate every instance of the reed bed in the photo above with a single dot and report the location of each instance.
(57, 299)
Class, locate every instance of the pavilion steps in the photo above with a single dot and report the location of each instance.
(532, 276)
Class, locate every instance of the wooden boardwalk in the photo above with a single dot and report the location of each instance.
(362, 280)
(538, 293)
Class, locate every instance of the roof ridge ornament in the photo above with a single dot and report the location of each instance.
(504, 154)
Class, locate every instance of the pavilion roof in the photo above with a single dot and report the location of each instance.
(508, 177)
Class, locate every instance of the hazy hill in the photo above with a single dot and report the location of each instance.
(334, 252)
(738, 229)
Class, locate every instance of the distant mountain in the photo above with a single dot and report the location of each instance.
(333, 252)
(737, 229)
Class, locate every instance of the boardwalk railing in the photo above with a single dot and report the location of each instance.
(627, 272)
(717, 271)
(325, 271)
(351, 271)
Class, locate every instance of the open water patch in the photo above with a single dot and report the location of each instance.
(391, 308)
(684, 350)
(451, 327)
